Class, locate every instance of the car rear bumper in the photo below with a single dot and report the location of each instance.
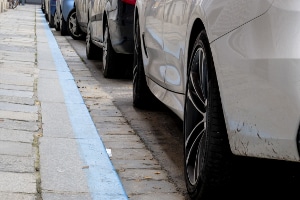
(121, 37)
(259, 80)
(121, 27)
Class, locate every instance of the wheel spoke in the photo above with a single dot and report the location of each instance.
(105, 47)
(72, 24)
(193, 139)
(195, 116)
(195, 93)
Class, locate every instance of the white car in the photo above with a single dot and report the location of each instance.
(230, 69)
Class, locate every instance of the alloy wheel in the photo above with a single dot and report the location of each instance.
(104, 48)
(195, 117)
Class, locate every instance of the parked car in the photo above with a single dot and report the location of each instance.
(67, 15)
(110, 27)
(230, 70)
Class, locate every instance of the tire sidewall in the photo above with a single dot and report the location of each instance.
(198, 189)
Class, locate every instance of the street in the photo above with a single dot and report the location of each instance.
(54, 105)
(159, 130)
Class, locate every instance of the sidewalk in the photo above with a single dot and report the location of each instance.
(49, 146)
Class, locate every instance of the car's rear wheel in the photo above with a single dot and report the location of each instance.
(207, 153)
(142, 96)
(72, 26)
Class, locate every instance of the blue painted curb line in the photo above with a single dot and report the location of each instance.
(103, 180)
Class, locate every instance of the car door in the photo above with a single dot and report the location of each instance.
(101, 4)
(96, 19)
(81, 12)
(153, 40)
(174, 37)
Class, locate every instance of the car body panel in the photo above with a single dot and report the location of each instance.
(50, 7)
(259, 84)
(256, 52)
(82, 13)
(46, 6)
(66, 7)
(57, 7)
(120, 21)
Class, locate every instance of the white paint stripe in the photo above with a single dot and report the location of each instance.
(103, 180)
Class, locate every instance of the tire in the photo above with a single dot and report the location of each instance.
(15, 4)
(43, 6)
(142, 96)
(51, 20)
(207, 155)
(72, 26)
(63, 26)
(110, 57)
(46, 17)
(56, 21)
(90, 48)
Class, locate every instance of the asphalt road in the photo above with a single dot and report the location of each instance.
(158, 128)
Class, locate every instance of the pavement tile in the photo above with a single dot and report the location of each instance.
(15, 148)
(66, 196)
(16, 93)
(22, 182)
(16, 164)
(21, 116)
(16, 196)
(18, 107)
(16, 135)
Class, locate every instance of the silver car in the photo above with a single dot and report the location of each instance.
(230, 69)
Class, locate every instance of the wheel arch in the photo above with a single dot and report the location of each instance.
(71, 12)
(197, 27)
(136, 16)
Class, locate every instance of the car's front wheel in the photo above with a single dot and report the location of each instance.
(207, 153)
(56, 21)
(63, 26)
(72, 26)
(142, 96)
(50, 18)
(110, 57)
